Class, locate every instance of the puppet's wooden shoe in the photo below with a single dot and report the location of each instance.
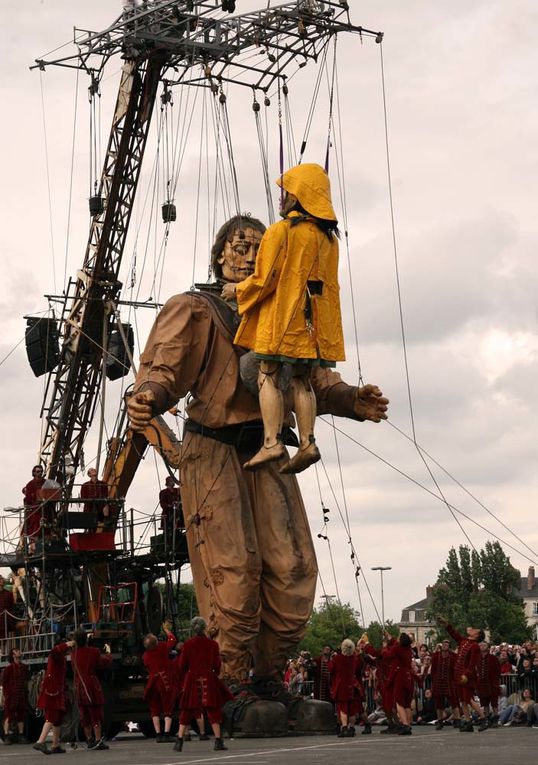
(302, 460)
(265, 455)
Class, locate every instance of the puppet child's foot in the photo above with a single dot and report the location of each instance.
(303, 459)
(266, 454)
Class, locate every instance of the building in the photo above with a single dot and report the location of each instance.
(528, 592)
(414, 620)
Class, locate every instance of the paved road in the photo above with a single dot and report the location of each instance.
(504, 746)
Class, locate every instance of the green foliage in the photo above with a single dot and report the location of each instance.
(375, 632)
(477, 589)
(187, 607)
(329, 624)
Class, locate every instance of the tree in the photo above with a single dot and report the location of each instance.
(329, 624)
(478, 589)
(187, 607)
(375, 632)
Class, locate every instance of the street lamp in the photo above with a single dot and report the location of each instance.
(381, 569)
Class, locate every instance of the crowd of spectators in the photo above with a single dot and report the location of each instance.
(518, 698)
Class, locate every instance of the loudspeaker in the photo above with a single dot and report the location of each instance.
(118, 363)
(42, 345)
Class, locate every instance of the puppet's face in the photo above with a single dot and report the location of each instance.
(239, 255)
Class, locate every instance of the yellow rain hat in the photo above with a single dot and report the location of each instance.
(312, 187)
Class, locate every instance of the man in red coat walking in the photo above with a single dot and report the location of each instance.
(443, 686)
(15, 685)
(52, 698)
(345, 679)
(156, 659)
(86, 662)
(467, 659)
(403, 681)
(202, 691)
(488, 681)
(385, 669)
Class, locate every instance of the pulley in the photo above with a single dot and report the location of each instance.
(169, 212)
(97, 205)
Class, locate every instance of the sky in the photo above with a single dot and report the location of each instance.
(462, 113)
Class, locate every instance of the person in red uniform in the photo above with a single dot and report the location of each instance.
(15, 685)
(87, 661)
(156, 659)
(443, 686)
(95, 489)
(32, 506)
(385, 669)
(467, 658)
(201, 689)
(488, 681)
(7, 620)
(344, 669)
(170, 503)
(403, 680)
(322, 681)
(52, 699)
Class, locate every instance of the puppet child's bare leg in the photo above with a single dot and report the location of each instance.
(272, 409)
(304, 406)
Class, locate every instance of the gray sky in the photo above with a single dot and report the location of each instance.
(463, 118)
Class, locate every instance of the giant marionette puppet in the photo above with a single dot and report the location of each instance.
(290, 310)
(253, 562)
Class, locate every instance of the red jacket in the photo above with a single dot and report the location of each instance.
(91, 490)
(52, 694)
(199, 667)
(86, 662)
(7, 620)
(15, 685)
(345, 676)
(385, 663)
(488, 676)
(169, 500)
(467, 657)
(443, 673)
(158, 664)
(32, 503)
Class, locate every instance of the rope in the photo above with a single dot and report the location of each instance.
(400, 303)
(48, 177)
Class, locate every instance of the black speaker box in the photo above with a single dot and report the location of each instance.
(42, 345)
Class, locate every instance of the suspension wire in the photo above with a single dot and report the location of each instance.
(264, 159)
(400, 303)
(324, 534)
(467, 491)
(331, 101)
(292, 155)
(228, 137)
(427, 490)
(51, 225)
(354, 557)
(71, 175)
(313, 103)
(198, 187)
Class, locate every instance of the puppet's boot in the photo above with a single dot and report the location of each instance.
(272, 409)
(304, 404)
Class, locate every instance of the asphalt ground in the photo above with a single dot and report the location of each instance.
(504, 746)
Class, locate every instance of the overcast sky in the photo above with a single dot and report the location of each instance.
(461, 81)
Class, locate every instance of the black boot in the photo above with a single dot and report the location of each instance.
(467, 727)
(367, 728)
(219, 745)
(439, 725)
(178, 746)
(405, 730)
(483, 724)
(343, 732)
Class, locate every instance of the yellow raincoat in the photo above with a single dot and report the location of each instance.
(273, 300)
